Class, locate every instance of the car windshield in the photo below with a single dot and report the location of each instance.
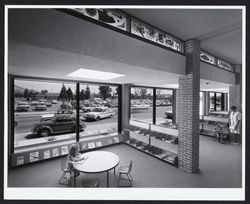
(98, 110)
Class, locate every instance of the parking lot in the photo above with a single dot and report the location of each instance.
(26, 120)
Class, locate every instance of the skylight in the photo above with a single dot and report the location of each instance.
(93, 74)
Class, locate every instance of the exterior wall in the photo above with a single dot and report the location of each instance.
(188, 105)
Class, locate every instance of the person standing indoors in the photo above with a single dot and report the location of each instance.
(234, 124)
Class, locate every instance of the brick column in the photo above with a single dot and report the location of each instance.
(188, 105)
(235, 90)
(174, 108)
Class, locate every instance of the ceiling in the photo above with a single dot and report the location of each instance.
(44, 51)
(220, 30)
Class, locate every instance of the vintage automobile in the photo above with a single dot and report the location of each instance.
(48, 104)
(22, 106)
(34, 103)
(54, 102)
(99, 113)
(40, 107)
(89, 107)
(169, 114)
(66, 105)
(62, 123)
(60, 112)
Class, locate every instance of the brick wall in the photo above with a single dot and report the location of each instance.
(175, 117)
(188, 105)
(235, 96)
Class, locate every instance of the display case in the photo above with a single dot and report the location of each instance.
(209, 124)
(160, 142)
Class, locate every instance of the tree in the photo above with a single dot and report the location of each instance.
(105, 92)
(70, 94)
(63, 93)
(82, 95)
(44, 92)
(143, 93)
(117, 90)
(26, 94)
(87, 93)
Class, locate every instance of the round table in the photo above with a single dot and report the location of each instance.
(97, 162)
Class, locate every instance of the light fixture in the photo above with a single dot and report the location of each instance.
(172, 86)
(93, 74)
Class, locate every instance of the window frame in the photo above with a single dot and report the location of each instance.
(11, 100)
(154, 101)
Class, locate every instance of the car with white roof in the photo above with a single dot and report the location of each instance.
(99, 113)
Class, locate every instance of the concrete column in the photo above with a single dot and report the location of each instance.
(188, 105)
(207, 103)
(125, 105)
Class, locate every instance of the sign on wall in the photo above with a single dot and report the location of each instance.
(148, 32)
(207, 58)
(107, 16)
(224, 65)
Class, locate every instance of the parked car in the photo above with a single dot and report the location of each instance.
(48, 104)
(66, 105)
(169, 114)
(22, 106)
(60, 112)
(99, 113)
(54, 102)
(58, 124)
(88, 108)
(33, 103)
(40, 107)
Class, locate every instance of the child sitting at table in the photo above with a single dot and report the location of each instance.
(72, 157)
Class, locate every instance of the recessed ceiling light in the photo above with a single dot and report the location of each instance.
(93, 74)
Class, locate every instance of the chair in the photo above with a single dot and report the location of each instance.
(125, 170)
(65, 180)
(90, 183)
(66, 169)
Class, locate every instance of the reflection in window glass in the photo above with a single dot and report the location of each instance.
(212, 105)
(141, 104)
(99, 109)
(43, 112)
(218, 101)
(164, 106)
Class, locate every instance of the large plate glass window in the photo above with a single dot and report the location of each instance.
(43, 112)
(164, 107)
(212, 101)
(99, 109)
(218, 102)
(141, 104)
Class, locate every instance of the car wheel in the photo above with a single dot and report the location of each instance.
(98, 118)
(80, 129)
(87, 110)
(44, 133)
(111, 115)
